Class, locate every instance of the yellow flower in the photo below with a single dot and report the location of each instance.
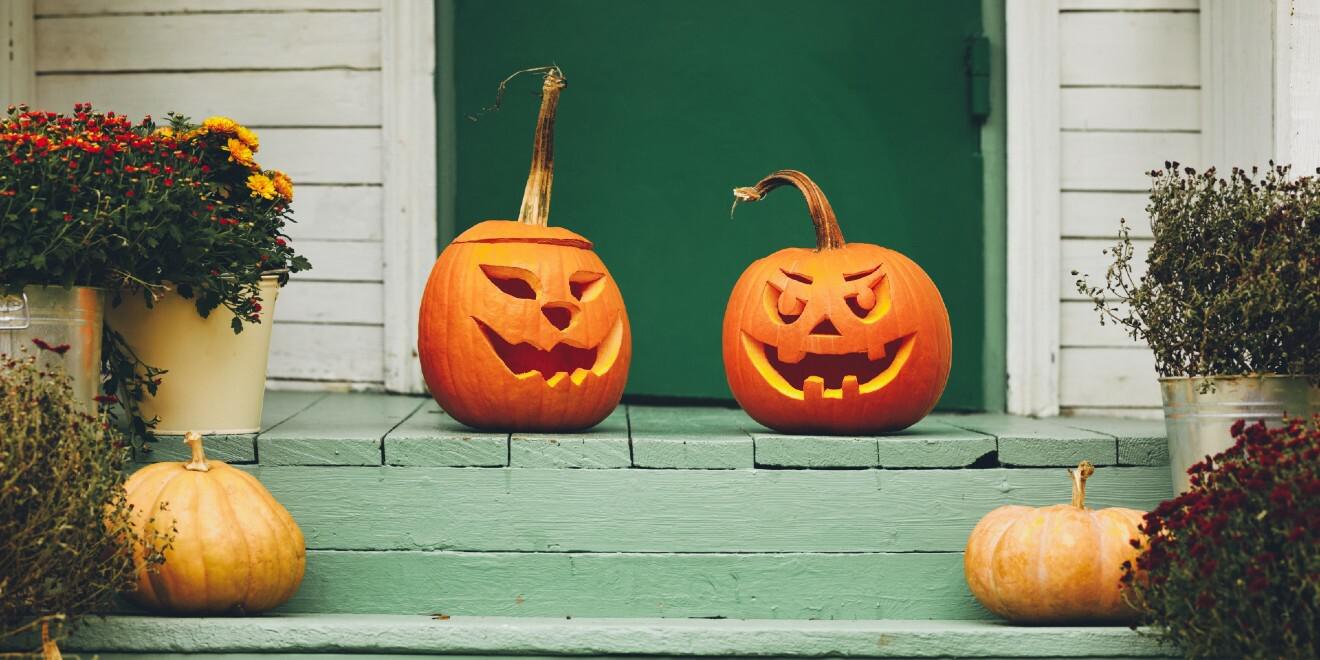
(283, 185)
(220, 125)
(239, 153)
(261, 186)
(247, 137)
(165, 131)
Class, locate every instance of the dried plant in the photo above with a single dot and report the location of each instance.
(66, 545)
(1232, 285)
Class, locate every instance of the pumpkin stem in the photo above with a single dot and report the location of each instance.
(1079, 477)
(828, 234)
(49, 650)
(536, 196)
(198, 462)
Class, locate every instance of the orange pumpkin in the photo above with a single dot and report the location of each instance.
(1055, 564)
(236, 550)
(848, 338)
(521, 326)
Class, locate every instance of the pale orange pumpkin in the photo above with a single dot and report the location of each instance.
(846, 338)
(1056, 564)
(236, 550)
(521, 326)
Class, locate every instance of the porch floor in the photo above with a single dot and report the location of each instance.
(306, 428)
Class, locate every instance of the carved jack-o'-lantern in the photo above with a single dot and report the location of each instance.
(848, 338)
(521, 326)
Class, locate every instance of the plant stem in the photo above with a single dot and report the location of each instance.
(536, 196)
(828, 234)
(1079, 476)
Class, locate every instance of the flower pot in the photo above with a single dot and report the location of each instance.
(216, 379)
(58, 316)
(1198, 422)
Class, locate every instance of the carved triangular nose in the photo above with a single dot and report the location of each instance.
(825, 328)
(559, 314)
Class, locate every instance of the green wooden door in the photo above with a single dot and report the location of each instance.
(672, 104)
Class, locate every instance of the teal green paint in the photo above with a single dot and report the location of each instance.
(690, 438)
(356, 633)
(713, 453)
(670, 105)
(994, 177)
(1040, 442)
(603, 446)
(1140, 441)
(933, 444)
(446, 150)
(277, 407)
(339, 429)
(734, 586)
(430, 437)
(630, 510)
(227, 448)
(776, 450)
(1143, 451)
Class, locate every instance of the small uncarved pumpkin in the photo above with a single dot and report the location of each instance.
(521, 326)
(1055, 564)
(236, 550)
(848, 338)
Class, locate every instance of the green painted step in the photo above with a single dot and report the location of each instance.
(137, 636)
(673, 512)
(362, 429)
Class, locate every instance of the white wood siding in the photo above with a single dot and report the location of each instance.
(306, 75)
(1130, 92)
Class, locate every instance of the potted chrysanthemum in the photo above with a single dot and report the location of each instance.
(183, 364)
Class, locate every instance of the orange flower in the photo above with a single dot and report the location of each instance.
(239, 153)
(261, 186)
(283, 185)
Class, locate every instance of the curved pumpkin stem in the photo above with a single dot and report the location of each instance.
(536, 196)
(828, 234)
(198, 461)
(1079, 476)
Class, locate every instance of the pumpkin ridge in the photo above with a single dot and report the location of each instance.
(225, 485)
(284, 527)
(157, 578)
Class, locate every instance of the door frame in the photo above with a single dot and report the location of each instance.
(409, 161)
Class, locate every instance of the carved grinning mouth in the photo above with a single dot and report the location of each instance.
(830, 376)
(563, 362)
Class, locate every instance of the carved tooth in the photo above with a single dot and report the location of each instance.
(876, 351)
(814, 388)
(554, 380)
(527, 374)
(849, 386)
(791, 355)
(579, 375)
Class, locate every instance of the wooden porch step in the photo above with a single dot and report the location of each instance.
(660, 512)
(343, 635)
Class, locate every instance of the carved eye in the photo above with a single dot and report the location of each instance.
(871, 303)
(783, 306)
(861, 274)
(796, 277)
(586, 285)
(513, 281)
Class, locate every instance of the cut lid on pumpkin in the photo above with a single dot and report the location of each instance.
(512, 231)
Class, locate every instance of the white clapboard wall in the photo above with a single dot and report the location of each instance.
(1130, 99)
(306, 75)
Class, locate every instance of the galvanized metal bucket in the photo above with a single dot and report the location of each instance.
(1198, 423)
(58, 316)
